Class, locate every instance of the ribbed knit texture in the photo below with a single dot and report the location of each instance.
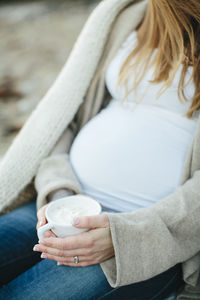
(63, 99)
(147, 241)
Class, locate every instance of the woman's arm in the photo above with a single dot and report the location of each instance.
(55, 171)
(151, 240)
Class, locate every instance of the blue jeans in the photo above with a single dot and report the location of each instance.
(25, 276)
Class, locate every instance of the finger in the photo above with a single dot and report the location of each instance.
(91, 221)
(80, 264)
(68, 259)
(40, 223)
(49, 233)
(61, 253)
(82, 240)
(41, 217)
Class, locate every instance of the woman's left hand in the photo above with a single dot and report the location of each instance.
(91, 247)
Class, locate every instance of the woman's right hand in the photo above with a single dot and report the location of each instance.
(54, 195)
(42, 221)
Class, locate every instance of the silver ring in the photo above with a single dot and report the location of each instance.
(76, 260)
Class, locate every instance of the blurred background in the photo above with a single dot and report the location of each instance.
(36, 38)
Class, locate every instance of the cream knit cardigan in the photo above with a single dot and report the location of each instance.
(148, 241)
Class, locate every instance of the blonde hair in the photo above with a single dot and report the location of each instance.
(173, 27)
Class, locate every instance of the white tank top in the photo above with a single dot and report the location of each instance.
(130, 155)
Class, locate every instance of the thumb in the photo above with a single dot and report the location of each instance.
(91, 221)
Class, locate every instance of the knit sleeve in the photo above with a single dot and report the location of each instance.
(60, 193)
(55, 171)
(150, 240)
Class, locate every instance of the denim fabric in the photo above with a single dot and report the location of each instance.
(25, 276)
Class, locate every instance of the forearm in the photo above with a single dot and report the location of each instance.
(151, 240)
(55, 171)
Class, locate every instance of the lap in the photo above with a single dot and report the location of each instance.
(22, 272)
(18, 236)
(43, 278)
(47, 280)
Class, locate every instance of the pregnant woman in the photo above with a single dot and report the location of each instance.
(121, 124)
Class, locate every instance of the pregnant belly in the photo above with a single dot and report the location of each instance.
(131, 159)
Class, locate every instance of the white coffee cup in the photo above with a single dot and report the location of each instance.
(86, 205)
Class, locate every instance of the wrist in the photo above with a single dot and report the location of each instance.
(57, 194)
